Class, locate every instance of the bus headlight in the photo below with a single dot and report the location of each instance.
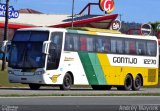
(10, 72)
(39, 72)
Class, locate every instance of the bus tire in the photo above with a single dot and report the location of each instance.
(67, 82)
(101, 87)
(34, 86)
(137, 83)
(127, 83)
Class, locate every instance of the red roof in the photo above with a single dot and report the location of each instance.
(16, 26)
(98, 22)
(29, 11)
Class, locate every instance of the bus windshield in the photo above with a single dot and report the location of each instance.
(26, 49)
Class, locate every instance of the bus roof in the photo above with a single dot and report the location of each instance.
(106, 32)
(95, 30)
(91, 31)
(41, 29)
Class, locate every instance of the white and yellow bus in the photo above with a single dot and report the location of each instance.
(83, 56)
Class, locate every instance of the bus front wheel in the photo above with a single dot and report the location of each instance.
(34, 86)
(67, 82)
(137, 83)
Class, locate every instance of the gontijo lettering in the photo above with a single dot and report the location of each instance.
(125, 60)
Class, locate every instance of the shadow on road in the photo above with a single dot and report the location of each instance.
(57, 89)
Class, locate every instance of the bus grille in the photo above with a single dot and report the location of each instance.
(151, 75)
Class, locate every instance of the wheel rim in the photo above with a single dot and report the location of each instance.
(138, 82)
(67, 81)
(128, 82)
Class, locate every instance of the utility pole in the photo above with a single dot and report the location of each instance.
(72, 12)
(5, 35)
(120, 17)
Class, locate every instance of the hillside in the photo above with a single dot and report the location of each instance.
(126, 26)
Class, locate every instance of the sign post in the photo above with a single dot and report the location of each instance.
(7, 12)
(116, 25)
(146, 29)
(5, 34)
(106, 5)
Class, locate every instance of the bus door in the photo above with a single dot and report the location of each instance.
(54, 50)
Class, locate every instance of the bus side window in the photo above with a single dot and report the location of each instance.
(103, 45)
(99, 46)
(130, 47)
(119, 46)
(106, 45)
(83, 43)
(54, 51)
(140, 47)
(69, 42)
(76, 42)
(113, 46)
(151, 48)
(90, 44)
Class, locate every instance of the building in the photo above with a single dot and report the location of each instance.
(32, 18)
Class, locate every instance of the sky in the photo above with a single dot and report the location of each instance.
(141, 11)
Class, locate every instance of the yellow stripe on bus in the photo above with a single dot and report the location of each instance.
(105, 64)
(115, 75)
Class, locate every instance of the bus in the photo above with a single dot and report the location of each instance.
(99, 58)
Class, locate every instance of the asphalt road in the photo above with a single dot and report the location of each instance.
(104, 100)
(74, 91)
(80, 103)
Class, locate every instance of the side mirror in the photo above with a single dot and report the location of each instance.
(4, 45)
(45, 47)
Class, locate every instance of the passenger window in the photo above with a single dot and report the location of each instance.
(106, 45)
(130, 47)
(76, 42)
(90, 44)
(103, 45)
(119, 46)
(71, 42)
(99, 46)
(113, 45)
(151, 48)
(83, 43)
(68, 43)
(140, 47)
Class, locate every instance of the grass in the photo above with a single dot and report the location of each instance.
(5, 83)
